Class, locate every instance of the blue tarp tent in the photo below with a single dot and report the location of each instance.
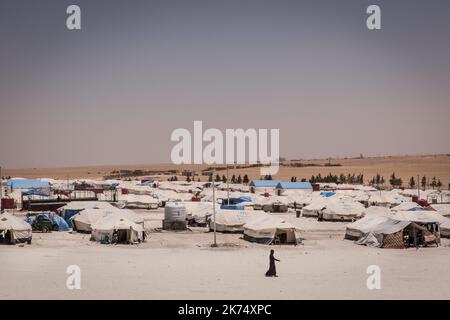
(27, 184)
(59, 224)
(327, 194)
(416, 209)
(68, 214)
(264, 183)
(294, 185)
(234, 201)
(232, 207)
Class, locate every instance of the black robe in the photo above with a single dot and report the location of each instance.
(272, 272)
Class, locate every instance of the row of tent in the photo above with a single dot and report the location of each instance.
(399, 229)
(104, 221)
(256, 226)
(101, 219)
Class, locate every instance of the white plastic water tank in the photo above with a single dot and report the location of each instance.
(174, 211)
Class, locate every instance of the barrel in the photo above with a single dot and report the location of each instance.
(174, 211)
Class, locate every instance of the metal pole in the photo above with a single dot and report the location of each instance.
(418, 187)
(214, 210)
(228, 188)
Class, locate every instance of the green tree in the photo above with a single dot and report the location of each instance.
(360, 179)
(239, 179)
(393, 180)
(439, 184)
(233, 179)
(245, 180)
(433, 182)
(217, 178)
(412, 183)
(224, 179)
(423, 182)
(377, 179)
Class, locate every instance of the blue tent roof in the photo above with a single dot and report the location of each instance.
(416, 209)
(60, 224)
(327, 194)
(68, 214)
(294, 185)
(28, 184)
(233, 201)
(264, 183)
(232, 207)
(34, 192)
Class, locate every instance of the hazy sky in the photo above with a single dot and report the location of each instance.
(113, 92)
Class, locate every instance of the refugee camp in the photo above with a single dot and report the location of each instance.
(224, 150)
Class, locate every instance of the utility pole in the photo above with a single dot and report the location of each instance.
(228, 188)
(418, 187)
(214, 210)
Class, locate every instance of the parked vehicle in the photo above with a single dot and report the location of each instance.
(42, 223)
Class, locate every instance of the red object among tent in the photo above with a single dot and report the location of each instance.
(423, 203)
(8, 203)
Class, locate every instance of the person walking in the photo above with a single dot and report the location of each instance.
(272, 272)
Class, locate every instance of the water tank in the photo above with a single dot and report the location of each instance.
(174, 211)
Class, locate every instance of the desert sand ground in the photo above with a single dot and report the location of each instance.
(182, 265)
(404, 167)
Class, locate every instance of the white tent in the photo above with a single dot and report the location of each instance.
(388, 233)
(127, 231)
(233, 220)
(342, 211)
(386, 198)
(315, 207)
(17, 229)
(270, 229)
(442, 208)
(84, 220)
(199, 212)
(445, 229)
(207, 195)
(377, 211)
(404, 206)
(357, 229)
(138, 201)
(80, 205)
(423, 216)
